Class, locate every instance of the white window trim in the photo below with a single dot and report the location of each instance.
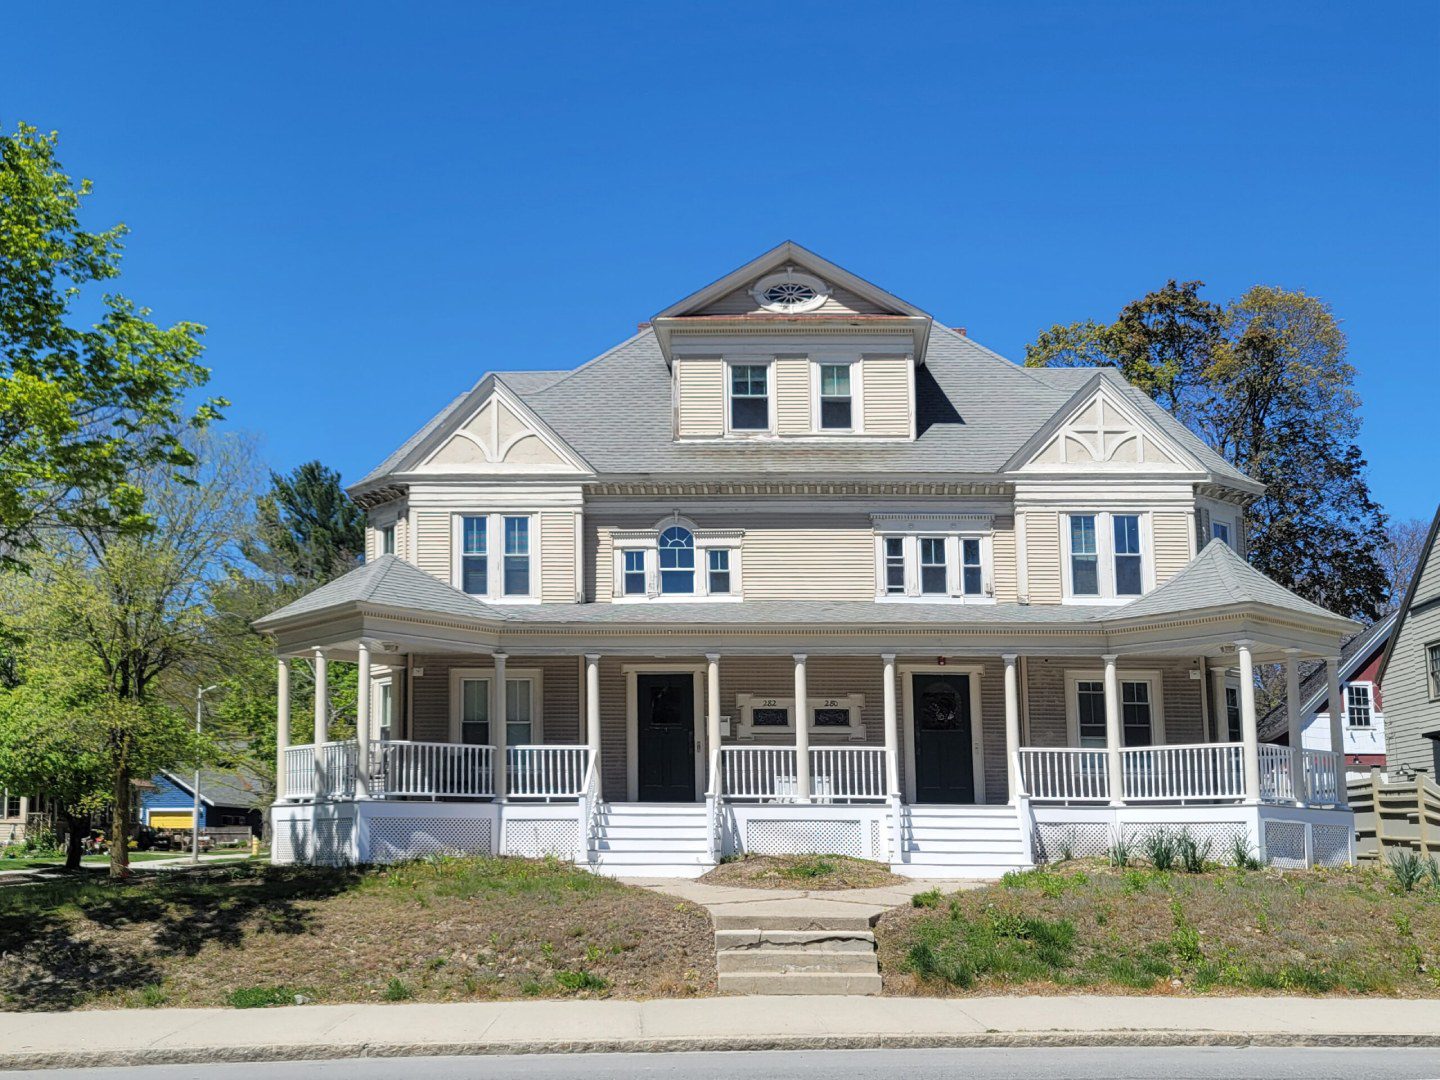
(910, 531)
(1369, 689)
(821, 290)
(768, 363)
(534, 676)
(1228, 524)
(857, 396)
(648, 540)
(1157, 700)
(746, 704)
(495, 554)
(1105, 556)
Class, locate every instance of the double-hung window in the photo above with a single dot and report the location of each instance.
(1105, 555)
(934, 568)
(1358, 712)
(1220, 530)
(677, 560)
(972, 577)
(1090, 710)
(836, 406)
(12, 805)
(385, 710)
(1128, 575)
(517, 556)
(1232, 714)
(1432, 668)
(1137, 704)
(387, 539)
(634, 572)
(474, 562)
(1135, 718)
(1084, 556)
(475, 712)
(895, 565)
(719, 570)
(474, 708)
(749, 397)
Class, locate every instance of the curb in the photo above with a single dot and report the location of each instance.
(90, 1059)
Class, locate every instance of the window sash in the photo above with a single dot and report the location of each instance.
(971, 575)
(387, 540)
(634, 572)
(385, 710)
(1434, 654)
(517, 556)
(1357, 706)
(1136, 718)
(1232, 714)
(1084, 556)
(1090, 712)
(835, 397)
(519, 717)
(894, 565)
(719, 568)
(934, 566)
(475, 712)
(1126, 530)
(677, 561)
(1220, 530)
(749, 397)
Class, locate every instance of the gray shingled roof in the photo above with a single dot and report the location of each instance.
(226, 787)
(1313, 687)
(389, 581)
(1218, 577)
(975, 410)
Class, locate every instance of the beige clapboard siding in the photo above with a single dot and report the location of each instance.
(827, 559)
(792, 395)
(1042, 556)
(372, 543)
(1172, 544)
(1002, 555)
(886, 382)
(432, 543)
(600, 563)
(700, 385)
(557, 557)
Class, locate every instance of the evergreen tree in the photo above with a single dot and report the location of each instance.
(308, 530)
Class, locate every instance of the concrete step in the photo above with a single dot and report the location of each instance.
(797, 982)
(791, 917)
(857, 941)
(784, 961)
(942, 871)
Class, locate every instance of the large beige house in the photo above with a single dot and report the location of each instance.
(796, 568)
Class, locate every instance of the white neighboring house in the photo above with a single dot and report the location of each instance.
(1363, 718)
(796, 568)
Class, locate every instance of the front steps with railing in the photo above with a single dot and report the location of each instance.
(651, 840)
(960, 841)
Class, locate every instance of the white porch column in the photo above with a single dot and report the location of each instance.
(322, 719)
(1296, 735)
(1249, 733)
(1012, 727)
(362, 722)
(1114, 733)
(282, 724)
(592, 707)
(499, 768)
(802, 732)
(892, 728)
(1337, 727)
(712, 723)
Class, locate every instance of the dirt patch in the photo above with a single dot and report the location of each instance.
(435, 930)
(1350, 931)
(800, 872)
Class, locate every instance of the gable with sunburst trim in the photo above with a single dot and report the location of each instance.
(1104, 433)
(501, 435)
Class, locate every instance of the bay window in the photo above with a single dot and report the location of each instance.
(1106, 555)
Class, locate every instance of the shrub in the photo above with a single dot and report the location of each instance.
(1408, 868)
(1120, 853)
(581, 980)
(1242, 855)
(1193, 854)
(1160, 848)
(930, 898)
(396, 990)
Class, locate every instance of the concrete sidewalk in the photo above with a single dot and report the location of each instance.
(189, 1036)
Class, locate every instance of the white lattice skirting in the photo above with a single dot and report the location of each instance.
(535, 838)
(395, 839)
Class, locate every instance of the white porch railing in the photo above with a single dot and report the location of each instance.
(848, 773)
(1183, 772)
(758, 772)
(547, 772)
(1323, 776)
(432, 770)
(1064, 774)
(326, 771)
(1276, 778)
(300, 772)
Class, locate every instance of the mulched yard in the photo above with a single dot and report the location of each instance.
(449, 929)
(800, 872)
(1102, 929)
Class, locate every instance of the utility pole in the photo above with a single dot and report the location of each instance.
(195, 816)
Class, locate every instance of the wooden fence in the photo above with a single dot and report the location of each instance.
(1403, 815)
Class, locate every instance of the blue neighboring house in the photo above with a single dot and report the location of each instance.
(228, 798)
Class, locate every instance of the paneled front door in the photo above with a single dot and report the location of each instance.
(944, 752)
(665, 737)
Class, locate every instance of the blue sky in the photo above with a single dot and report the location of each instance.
(371, 205)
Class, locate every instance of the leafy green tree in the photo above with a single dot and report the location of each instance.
(308, 529)
(1266, 382)
(82, 408)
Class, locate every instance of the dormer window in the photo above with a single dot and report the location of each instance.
(836, 413)
(749, 397)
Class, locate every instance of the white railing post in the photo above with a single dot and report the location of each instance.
(714, 782)
(1114, 734)
(1014, 783)
(362, 722)
(1296, 735)
(1337, 728)
(892, 757)
(802, 732)
(322, 721)
(282, 726)
(1249, 733)
(498, 703)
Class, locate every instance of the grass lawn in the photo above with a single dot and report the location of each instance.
(800, 872)
(447, 929)
(1091, 927)
(30, 862)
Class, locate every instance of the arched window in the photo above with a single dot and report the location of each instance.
(677, 560)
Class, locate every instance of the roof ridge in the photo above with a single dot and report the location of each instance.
(566, 375)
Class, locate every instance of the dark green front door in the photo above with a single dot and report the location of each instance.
(944, 754)
(665, 737)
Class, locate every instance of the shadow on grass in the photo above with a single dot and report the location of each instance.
(64, 941)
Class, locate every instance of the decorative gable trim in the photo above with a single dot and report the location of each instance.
(494, 432)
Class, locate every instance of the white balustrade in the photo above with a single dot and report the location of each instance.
(758, 772)
(1064, 774)
(547, 772)
(848, 773)
(1183, 772)
(432, 770)
(1276, 776)
(1324, 774)
(300, 771)
(337, 770)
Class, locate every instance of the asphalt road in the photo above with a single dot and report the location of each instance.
(1029, 1064)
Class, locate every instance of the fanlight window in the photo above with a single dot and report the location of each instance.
(677, 560)
(789, 293)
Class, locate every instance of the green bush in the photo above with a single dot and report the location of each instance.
(395, 990)
(1408, 868)
(1160, 848)
(581, 980)
(1119, 852)
(1242, 855)
(1193, 854)
(930, 898)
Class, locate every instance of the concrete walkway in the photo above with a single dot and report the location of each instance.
(732, 905)
(188, 1036)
